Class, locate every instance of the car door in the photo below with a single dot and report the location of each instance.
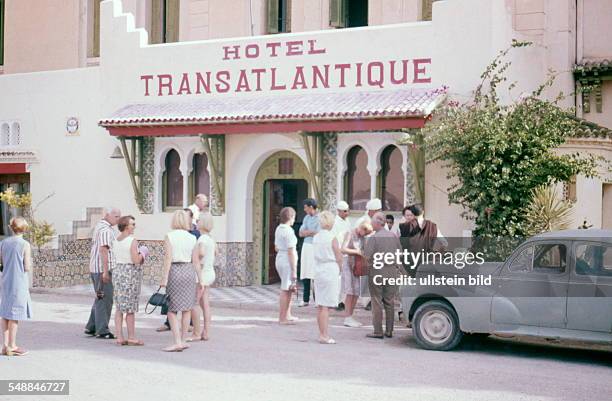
(589, 301)
(532, 287)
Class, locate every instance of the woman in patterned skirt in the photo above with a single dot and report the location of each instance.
(179, 278)
(15, 303)
(127, 279)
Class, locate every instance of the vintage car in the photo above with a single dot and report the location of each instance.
(556, 285)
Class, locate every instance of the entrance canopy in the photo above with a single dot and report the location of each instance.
(322, 112)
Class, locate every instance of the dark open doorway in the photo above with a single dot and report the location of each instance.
(277, 195)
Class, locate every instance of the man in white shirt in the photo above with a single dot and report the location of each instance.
(199, 205)
(340, 230)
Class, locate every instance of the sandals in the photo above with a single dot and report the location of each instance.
(121, 342)
(327, 341)
(173, 348)
(16, 351)
(136, 343)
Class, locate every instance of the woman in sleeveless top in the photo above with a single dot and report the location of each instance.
(127, 279)
(328, 262)
(15, 303)
(204, 261)
(179, 278)
(285, 243)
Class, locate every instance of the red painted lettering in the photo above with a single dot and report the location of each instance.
(164, 81)
(201, 83)
(418, 70)
(359, 65)
(243, 83)
(251, 51)
(299, 78)
(223, 78)
(184, 87)
(273, 47)
(258, 72)
(274, 86)
(318, 76)
(376, 79)
(146, 78)
(312, 50)
(342, 68)
(294, 48)
(404, 78)
(231, 50)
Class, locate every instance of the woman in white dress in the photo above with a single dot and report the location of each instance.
(328, 264)
(204, 261)
(285, 244)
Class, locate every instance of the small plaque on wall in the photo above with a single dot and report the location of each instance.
(72, 126)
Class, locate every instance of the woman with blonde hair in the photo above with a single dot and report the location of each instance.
(15, 302)
(328, 264)
(285, 244)
(127, 279)
(179, 278)
(204, 262)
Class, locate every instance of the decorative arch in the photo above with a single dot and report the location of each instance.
(172, 181)
(356, 178)
(391, 178)
(15, 135)
(5, 134)
(268, 170)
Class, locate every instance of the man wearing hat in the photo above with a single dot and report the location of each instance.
(341, 229)
(310, 227)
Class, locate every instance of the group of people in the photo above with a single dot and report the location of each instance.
(188, 272)
(337, 257)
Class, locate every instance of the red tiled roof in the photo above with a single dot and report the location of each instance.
(264, 109)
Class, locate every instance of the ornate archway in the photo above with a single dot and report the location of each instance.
(269, 170)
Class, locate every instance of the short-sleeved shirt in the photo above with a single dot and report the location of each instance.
(284, 238)
(340, 228)
(182, 245)
(103, 235)
(310, 223)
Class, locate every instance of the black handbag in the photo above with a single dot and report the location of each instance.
(157, 299)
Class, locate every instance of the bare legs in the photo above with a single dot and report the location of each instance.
(179, 330)
(9, 334)
(323, 321)
(284, 315)
(119, 326)
(349, 305)
(204, 307)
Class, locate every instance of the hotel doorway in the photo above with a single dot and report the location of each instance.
(280, 193)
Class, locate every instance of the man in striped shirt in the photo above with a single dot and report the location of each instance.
(101, 263)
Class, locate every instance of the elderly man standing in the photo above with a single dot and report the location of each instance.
(383, 294)
(200, 205)
(101, 263)
(309, 228)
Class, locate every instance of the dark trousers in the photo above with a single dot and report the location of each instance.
(306, 284)
(383, 297)
(102, 308)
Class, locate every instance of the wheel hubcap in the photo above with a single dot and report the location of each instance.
(436, 326)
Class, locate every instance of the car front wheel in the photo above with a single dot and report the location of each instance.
(436, 326)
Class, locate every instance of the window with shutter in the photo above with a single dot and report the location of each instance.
(157, 21)
(278, 14)
(1, 32)
(171, 18)
(95, 49)
(272, 16)
(427, 6)
(337, 13)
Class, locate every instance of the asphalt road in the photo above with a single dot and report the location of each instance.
(249, 357)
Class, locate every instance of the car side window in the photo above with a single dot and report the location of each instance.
(550, 258)
(523, 262)
(594, 259)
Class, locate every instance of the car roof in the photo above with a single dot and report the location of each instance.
(577, 234)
